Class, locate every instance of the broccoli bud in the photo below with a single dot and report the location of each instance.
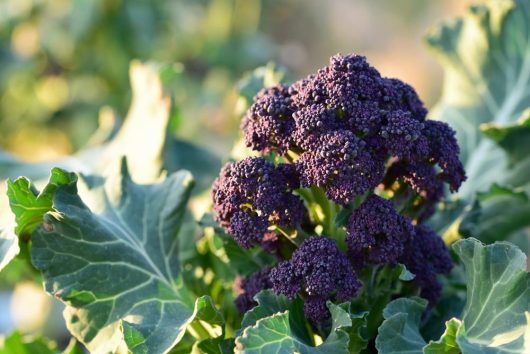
(377, 233)
(251, 195)
(321, 271)
(426, 256)
(248, 287)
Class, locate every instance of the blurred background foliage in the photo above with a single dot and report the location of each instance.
(64, 61)
(61, 61)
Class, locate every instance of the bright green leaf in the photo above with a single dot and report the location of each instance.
(28, 205)
(16, 343)
(447, 343)
(8, 246)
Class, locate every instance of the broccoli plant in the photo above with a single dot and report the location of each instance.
(348, 220)
(349, 172)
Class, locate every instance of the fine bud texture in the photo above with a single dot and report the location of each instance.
(344, 123)
(251, 195)
(321, 271)
(345, 142)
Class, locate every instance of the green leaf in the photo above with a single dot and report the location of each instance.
(400, 331)
(28, 205)
(405, 274)
(277, 333)
(202, 163)
(495, 319)
(269, 335)
(112, 258)
(268, 304)
(513, 138)
(496, 214)
(447, 343)
(498, 296)
(216, 346)
(8, 247)
(486, 59)
(262, 77)
(147, 120)
(244, 262)
(16, 343)
(353, 324)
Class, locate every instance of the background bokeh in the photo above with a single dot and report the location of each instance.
(62, 61)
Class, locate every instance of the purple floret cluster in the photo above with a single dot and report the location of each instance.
(362, 141)
(253, 194)
(426, 256)
(341, 126)
(321, 271)
(248, 287)
(377, 233)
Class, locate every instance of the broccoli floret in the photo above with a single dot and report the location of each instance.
(251, 195)
(444, 151)
(321, 271)
(377, 233)
(426, 256)
(267, 124)
(423, 179)
(399, 96)
(340, 162)
(248, 287)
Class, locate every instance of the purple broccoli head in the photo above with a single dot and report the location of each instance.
(344, 122)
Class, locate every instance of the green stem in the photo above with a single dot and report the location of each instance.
(197, 330)
(328, 209)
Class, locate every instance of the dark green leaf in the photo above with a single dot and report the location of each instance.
(112, 258)
(268, 304)
(513, 138)
(400, 331)
(495, 318)
(496, 214)
(276, 334)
